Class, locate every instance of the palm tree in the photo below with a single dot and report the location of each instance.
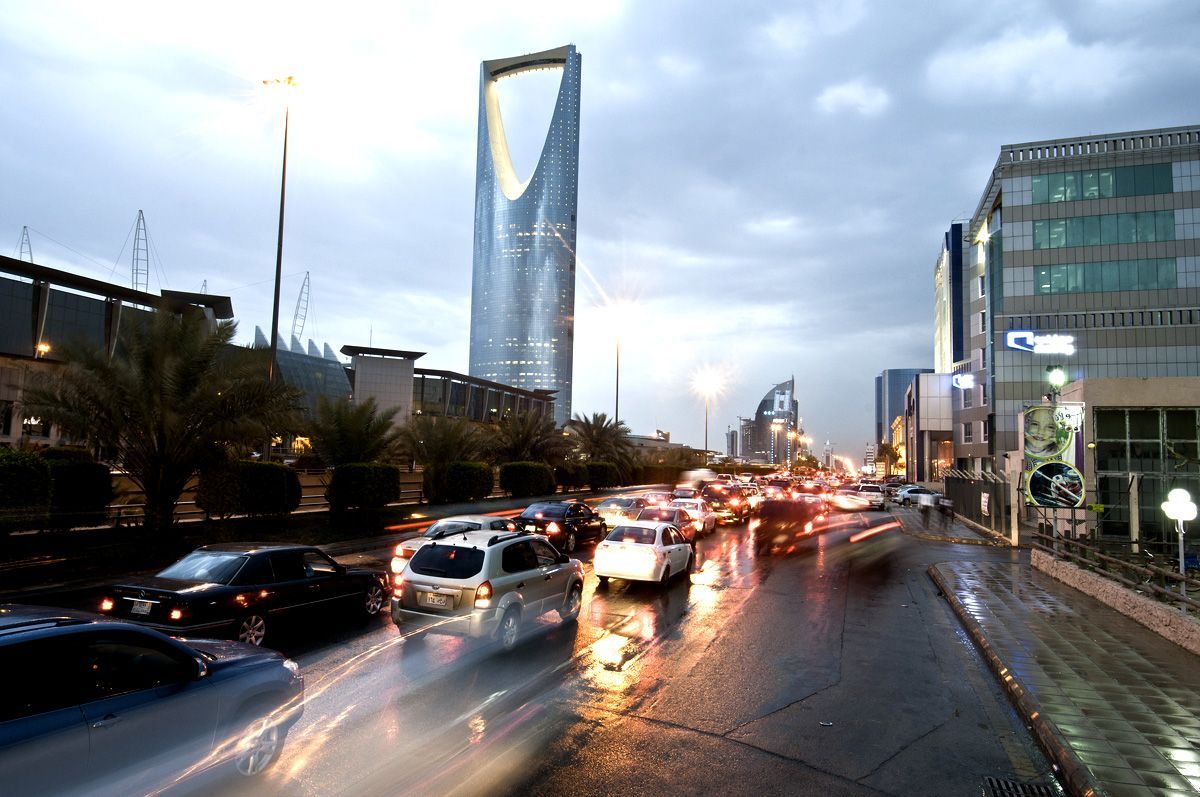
(343, 431)
(174, 392)
(601, 439)
(890, 456)
(526, 437)
(432, 441)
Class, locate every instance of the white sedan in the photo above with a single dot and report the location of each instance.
(444, 528)
(642, 550)
(705, 519)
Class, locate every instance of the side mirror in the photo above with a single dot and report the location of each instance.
(563, 558)
(201, 668)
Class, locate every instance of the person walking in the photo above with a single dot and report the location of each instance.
(947, 508)
(925, 500)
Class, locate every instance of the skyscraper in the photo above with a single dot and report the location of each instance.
(523, 270)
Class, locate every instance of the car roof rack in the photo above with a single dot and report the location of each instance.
(510, 535)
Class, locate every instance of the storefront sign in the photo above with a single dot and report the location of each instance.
(963, 381)
(1051, 455)
(1024, 340)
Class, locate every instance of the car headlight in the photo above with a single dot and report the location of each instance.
(292, 667)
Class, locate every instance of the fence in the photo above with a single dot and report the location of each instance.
(979, 497)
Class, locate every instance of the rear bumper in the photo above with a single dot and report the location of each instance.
(478, 623)
(215, 628)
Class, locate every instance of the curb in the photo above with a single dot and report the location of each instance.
(1075, 776)
(999, 538)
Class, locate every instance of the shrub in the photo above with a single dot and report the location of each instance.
(571, 475)
(468, 481)
(526, 479)
(24, 490)
(80, 492)
(69, 453)
(602, 475)
(362, 485)
(248, 488)
(308, 461)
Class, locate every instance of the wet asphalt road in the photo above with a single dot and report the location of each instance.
(834, 669)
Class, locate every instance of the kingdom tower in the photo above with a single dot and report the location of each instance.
(523, 266)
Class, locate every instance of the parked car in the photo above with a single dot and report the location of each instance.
(97, 706)
(485, 586)
(643, 550)
(243, 589)
(620, 508)
(677, 516)
(704, 520)
(565, 523)
(892, 488)
(445, 528)
(909, 495)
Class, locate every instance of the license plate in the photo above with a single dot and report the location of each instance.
(432, 599)
(531, 528)
(141, 607)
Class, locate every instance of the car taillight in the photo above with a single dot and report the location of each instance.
(397, 583)
(735, 502)
(551, 528)
(106, 605)
(176, 614)
(402, 552)
(483, 595)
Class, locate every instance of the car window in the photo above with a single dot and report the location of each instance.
(670, 537)
(575, 511)
(546, 555)
(539, 511)
(501, 525)
(446, 561)
(318, 564)
(632, 534)
(445, 527)
(215, 567)
(656, 514)
(288, 565)
(41, 669)
(518, 557)
(118, 664)
(257, 570)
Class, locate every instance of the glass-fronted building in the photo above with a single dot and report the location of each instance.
(1082, 253)
(772, 435)
(523, 270)
(890, 387)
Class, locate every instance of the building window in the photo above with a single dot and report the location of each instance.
(983, 394)
(967, 397)
(983, 431)
(966, 433)
(982, 287)
(1115, 228)
(1121, 181)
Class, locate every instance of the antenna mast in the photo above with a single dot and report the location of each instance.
(26, 249)
(141, 256)
(301, 309)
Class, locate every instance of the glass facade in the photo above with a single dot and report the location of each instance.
(442, 393)
(314, 376)
(1113, 228)
(1150, 274)
(523, 271)
(1144, 180)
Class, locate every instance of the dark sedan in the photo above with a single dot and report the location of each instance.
(244, 590)
(566, 523)
(93, 706)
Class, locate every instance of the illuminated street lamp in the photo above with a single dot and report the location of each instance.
(1056, 375)
(1180, 508)
(43, 348)
(708, 382)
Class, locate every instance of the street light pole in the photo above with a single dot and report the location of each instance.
(617, 399)
(1180, 508)
(279, 248)
(706, 429)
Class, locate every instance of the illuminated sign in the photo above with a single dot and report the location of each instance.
(963, 381)
(1024, 340)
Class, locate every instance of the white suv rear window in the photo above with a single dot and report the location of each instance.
(446, 561)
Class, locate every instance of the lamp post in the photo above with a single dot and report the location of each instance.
(288, 81)
(1056, 375)
(617, 397)
(708, 383)
(1180, 508)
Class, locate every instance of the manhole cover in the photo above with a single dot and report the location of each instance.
(998, 787)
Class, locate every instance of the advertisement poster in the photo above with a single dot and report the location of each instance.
(1051, 473)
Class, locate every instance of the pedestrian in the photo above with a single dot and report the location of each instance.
(925, 500)
(947, 507)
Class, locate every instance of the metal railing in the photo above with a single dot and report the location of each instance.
(1134, 571)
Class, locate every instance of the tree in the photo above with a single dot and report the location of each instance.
(600, 438)
(173, 393)
(526, 437)
(888, 454)
(344, 431)
(432, 441)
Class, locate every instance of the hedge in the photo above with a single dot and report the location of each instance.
(248, 488)
(526, 479)
(468, 481)
(571, 475)
(363, 485)
(24, 490)
(80, 492)
(602, 475)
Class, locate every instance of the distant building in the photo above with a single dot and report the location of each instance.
(771, 435)
(731, 442)
(523, 268)
(928, 428)
(948, 302)
(889, 398)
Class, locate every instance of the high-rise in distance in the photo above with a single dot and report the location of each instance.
(523, 269)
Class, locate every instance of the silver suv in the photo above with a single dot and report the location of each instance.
(485, 585)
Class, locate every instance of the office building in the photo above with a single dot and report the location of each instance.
(928, 427)
(772, 435)
(890, 386)
(523, 270)
(731, 442)
(1081, 253)
(948, 302)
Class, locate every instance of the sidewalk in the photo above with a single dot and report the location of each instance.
(1114, 705)
(949, 530)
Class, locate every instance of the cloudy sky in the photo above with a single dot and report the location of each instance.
(764, 184)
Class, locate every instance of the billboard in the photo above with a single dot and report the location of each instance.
(1052, 452)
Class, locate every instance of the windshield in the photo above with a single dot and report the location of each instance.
(632, 534)
(616, 503)
(538, 511)
(446, 527)
(446, 561)
(665, 515)
(214, 567)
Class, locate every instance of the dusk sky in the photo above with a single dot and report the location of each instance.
(763, 186)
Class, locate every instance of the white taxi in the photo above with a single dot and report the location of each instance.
(642, 550)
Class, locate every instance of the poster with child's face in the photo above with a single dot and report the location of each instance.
(1051, 476)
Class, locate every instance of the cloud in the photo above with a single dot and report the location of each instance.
(678, 67)
(793, 32)
(773, 225)
(1042, 67)
(855, 95)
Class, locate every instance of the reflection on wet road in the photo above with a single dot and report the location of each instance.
(387, 715)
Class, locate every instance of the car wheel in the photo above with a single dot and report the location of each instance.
(690, 562)
(372, 600)
(603, 580)
(510, 629)
(665, 581)
(252, 629)
(259, 747)
(569, 543)
(570, 611)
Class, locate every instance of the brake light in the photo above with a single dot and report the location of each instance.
(402, 552)
(735, 502)
(483, 595)
(398, 582)
(551, 528)
(106, 605)
(176, 614)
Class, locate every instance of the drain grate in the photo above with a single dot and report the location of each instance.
(998, 787)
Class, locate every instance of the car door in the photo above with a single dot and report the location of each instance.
(327, 581)
(291, 592)
(522, 573)
(43, 734)
(148, 711)
(554, 575)
(677, 548)
(577, 520)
